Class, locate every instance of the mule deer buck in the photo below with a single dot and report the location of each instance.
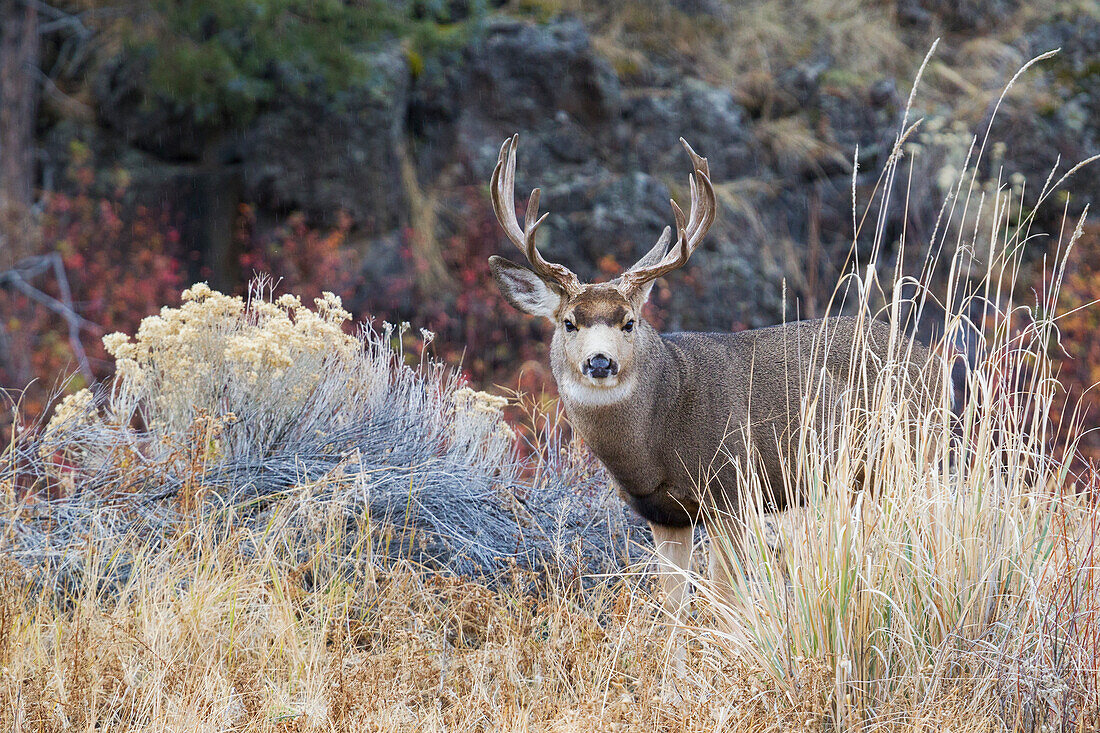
(658, 409)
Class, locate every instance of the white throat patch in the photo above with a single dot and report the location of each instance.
(582, 393)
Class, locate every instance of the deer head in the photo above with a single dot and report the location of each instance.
(599, 329)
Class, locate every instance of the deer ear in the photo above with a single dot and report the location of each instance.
(649, 259)
(524, 289)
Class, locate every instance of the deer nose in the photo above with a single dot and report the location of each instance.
(600, 366)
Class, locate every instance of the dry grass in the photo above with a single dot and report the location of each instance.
(741, 38)
(205, 637)
(956, 589)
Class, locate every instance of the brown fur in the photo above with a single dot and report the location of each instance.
(596, 306)
(708, 399)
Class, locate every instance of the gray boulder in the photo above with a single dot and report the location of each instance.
(956, 16)
(708, 117)
(523, 73)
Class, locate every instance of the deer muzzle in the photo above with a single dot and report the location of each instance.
(599, 366)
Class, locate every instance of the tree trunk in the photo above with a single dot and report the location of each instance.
(219, 201)
(18, 107)
(210, 195)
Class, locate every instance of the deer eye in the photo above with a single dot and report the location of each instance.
(569, 325)
(629, 326)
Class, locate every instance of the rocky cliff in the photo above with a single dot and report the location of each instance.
(600, 99)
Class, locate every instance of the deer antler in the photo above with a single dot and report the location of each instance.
(689, 234)
(502, 190)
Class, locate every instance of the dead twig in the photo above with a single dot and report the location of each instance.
(17, 279)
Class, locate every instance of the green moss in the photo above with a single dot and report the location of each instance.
(415, 61)
(626, 66)
(844, 78)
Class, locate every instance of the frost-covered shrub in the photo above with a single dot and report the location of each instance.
(478, 426)
(245, 407)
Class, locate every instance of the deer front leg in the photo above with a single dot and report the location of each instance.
(673, 545)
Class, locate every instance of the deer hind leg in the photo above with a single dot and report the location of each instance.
(673, 545)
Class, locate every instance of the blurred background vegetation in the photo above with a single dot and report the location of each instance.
(345, 145)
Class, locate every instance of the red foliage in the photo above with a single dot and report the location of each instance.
(305, 260)
(121, 263)
(1079, 353)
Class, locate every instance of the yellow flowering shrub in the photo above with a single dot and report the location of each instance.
(69, 416)
(73, 410)
(218, 354)
(224, 387)
(477, 424)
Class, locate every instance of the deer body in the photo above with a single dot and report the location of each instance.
(708, 400)
(676, 417)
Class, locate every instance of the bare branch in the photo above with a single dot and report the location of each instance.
(71, 316)
(16, 278)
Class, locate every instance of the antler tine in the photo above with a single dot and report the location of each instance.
(698, 162)
(690, 230)
(700, 166)
(694, 210)
(502, 188)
